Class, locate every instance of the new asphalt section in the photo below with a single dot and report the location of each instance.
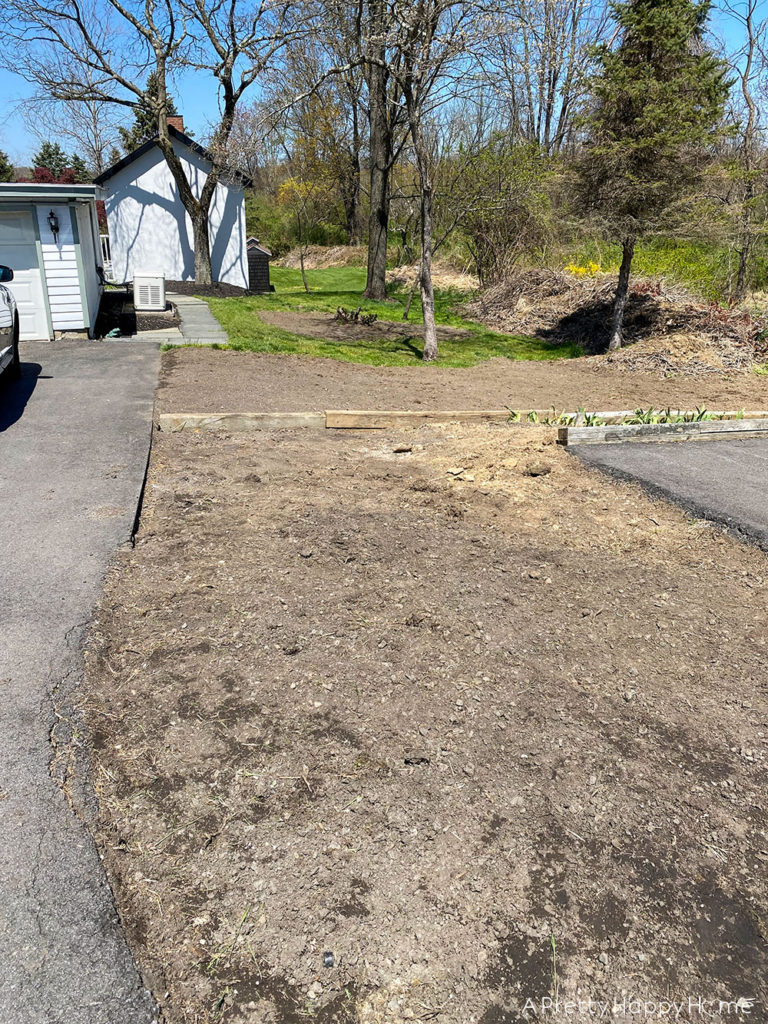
(74, 440)
(725, 481)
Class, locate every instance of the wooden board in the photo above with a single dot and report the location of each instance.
(239, 422)
(371, 419)
(704, 430)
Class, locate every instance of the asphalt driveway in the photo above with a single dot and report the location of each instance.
(74, 439)
(725, 481)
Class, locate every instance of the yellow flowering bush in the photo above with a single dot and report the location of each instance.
(589, 271)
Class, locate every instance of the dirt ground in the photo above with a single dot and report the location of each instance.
(324, 325)
(430, 726)
(201, 380)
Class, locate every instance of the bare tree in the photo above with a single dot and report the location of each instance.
(77, 53)
(430, 51)
(89, 127)
(749, 172)
(540, 62)
(321, 104)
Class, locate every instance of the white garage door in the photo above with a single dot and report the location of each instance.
(19, 251)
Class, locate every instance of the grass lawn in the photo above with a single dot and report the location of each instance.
(343, 286)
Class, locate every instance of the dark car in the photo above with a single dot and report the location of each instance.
(9, 327)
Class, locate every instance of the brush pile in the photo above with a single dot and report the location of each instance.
(320, 257)
(665, 329)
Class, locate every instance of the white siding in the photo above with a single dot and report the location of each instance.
(150, 231)
(60, 263)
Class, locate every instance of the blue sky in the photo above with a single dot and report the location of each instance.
(193, 94)
(195, 99)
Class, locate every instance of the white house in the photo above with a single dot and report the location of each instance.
(49, 236)
(150, 232)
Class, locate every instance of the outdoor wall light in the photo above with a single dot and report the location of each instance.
(53, 223)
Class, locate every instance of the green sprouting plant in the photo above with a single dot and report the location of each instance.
(698, 416)
(590, 419)
(532, 417)
(649, 415)
(554, 418)
(514, 415)
(761, 370)
(740, 414)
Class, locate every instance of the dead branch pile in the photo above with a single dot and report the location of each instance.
(665, 329)
(319, 257)
(444, 276)
(355, 316)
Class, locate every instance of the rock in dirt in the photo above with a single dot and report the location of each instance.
(537, 469)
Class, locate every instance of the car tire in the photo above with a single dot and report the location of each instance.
(15, 367)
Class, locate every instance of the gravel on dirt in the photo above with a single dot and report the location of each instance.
(422, 725)
(194, 380)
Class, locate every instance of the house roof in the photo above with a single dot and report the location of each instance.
(195, 147)
(27, 190)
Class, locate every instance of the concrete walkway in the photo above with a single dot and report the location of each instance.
(74, 439)
(198, 325)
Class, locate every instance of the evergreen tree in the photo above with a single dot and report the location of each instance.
(52, 158)
(658, 101)
(7, 172)
(79, 169)
(144, 125)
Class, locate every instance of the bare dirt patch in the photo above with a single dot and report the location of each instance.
(324, 325)
(197, 380)
(378, 718)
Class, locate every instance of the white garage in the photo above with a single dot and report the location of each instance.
(49, 236)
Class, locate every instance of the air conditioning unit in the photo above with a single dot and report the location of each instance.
(149, 292)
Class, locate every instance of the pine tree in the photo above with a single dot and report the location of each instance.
(52, 158)
(144, 125)
(79, 169)
(658, 101)
(7, 172)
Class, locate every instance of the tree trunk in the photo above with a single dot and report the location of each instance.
(352, 193)
(747, 239)
(378, 226)
(197, 208)
(303, 270)
(202, 244)
(411, 293)
(425, 277)
(351, 200)
(741, 276)
(381, 161)
(622, 290)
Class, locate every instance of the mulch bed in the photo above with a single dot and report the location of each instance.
(327, 327)
(420, 726)
(214, 291)
(117, 311)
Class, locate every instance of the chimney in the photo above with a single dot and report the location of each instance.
(176, 121)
